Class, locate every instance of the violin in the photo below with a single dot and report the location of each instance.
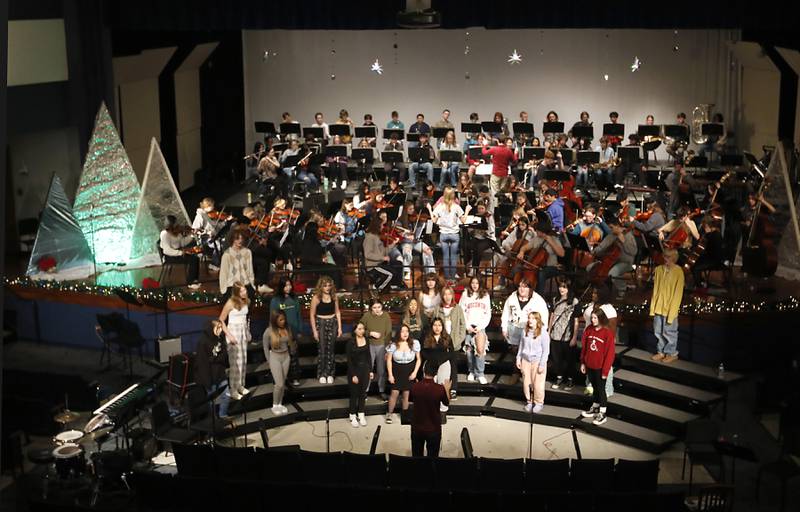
(328, 230)
(421, 216)
(391, 235)
(643, 216)
(356, 213)
(285, 214)
(219, 216)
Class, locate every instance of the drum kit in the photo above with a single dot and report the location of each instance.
(69, 452)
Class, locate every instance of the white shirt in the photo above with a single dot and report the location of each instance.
(448, 221)
(324, 126)
(171, 245)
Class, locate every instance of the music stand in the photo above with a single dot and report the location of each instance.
(450, 155)
(291, 161)
(532, 153)
(470, 128)
(614, 130)
(420, 155)
(629, 153)
(556, 127)
(290, 128)
(388, 132)
(265, 127)
(279, 147)
(698, 162)
(734, 451)
(491, 127)
(577, 243)
(412, 136)
(366, 154)
(476, 153)
(648, 130)
(735, 160)
(316, 159)
(588, 157)
(393, 157)
(336, 150)
(340, 129)
(366, 132)
(439, 133)
(676, 131)
(583, 132)
(567, 155)
(556, 175)
(712, 129)
(522, 128)
(314, 131)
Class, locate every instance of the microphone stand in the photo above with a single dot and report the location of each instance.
(328, 431)
(530, 436)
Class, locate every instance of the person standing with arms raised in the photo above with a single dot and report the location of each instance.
(502, 158)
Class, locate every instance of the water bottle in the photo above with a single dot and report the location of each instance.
(721, 371)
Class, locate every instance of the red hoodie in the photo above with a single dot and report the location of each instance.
(502, 157)
(597, 351)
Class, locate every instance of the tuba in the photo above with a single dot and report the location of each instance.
(700, 114)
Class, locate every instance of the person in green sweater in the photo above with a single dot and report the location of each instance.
(285, 300)
(379, 333)
(456, 326)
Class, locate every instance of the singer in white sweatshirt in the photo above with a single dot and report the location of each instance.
(477, 307)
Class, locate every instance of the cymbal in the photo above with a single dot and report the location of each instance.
(66, 416)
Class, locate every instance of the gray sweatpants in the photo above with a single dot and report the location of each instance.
(279, 368)
(378, 355)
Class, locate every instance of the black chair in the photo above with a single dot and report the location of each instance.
(455, 474)
(365, 470)
(202, 417)
(237, 463)
(474, 500)
(165, 431)
(153, 491)
(281, 466)
(636, 475)
(411, 472)
(502, 474)
(326, 468)
(715, 498)
(196, 461)
(699, 447)
(167, 267)
(784, 468)
(592, 475)
(547, 475)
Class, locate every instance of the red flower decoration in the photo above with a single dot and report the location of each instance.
(149, 283)
(46, 263)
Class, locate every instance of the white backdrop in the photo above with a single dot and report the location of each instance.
(561, 70)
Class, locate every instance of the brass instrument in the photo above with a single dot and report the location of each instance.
(700, 114)
(532, 164)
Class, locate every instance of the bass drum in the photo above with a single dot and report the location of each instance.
(70, 460)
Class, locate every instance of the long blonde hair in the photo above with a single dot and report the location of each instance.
(321, 282)
(449, 197)
(537, 331)
(236, 299)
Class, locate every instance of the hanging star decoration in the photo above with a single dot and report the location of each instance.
(376, 67)
(605, 77)
(267, 54)
(514, 58)
(636, 64)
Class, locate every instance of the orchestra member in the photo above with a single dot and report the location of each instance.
(237, 334)
(266, 249)
(582, 143)
(359, 373)
(682, 221)
(629, 165)
(516, 309)
(715, 143)
(676, 147)
(379, 333)
(503, 133)
(368, 142)
(326, 327)
(465, 188)
(680, 184)
(627, 210)
(597, 356)
(449, 169)
(502, 158)
(312, 256)
(395, 123)
(347, 222)
(268, 168)
(362, 196)
(543, 238)
(481, 237)
(376, 256)
(552, 161)
(173, 240)
(425, 163)
(477, 307)
(519, 231)
(554, 209)
(563, 330)
(319, 122)
(654, 220)
(444, 122)
(279, 342)
(748, 211)
(209, 230)
(337, 166)
(532, 354)
(394, 144)
(589, 228)
(344, 118)
(237, 265)
(448, 215)
(522, 139)
(614, 140)
(713, 255)
(413, 229)
(549, 138)
(251, 162)
(626, 242)
(480, 140)
(286, 117)
(604, 174)
(402, 366)
(665, 306)
(419, 127)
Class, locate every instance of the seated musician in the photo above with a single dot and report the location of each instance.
(675, 148)
(371, 141)
(268, 171)
(749, 210)
(263, 245)
(348, 219)
(544, 238)
(344, 118)
(286, 117)
(624, 239)
(583, 143)
(670, 233)
(522, 139)
(394, 144)
(555, 209)
(419, 127)
(292, 150)
(629, 166)
(627, 210)
(209, 230)
(515, 216)
(313, 258)
(715, 143)
(552, 161)
(413, 224)
(362, 196)
(680, 184)
(614, 140)
(589, 227)
(520, 231)
(449, 169)
(481, 237)
(337, 167)
(604, 174)
(465, 189)
(377, 259)
(251, 162)
(173, 240)
(363, 163)
(480, 140)
(497, 137)
(549, 138)
(394, 189)
(647, 223)
(713, 255)
(425, 163)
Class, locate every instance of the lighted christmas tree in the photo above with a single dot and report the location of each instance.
(108, 194)
(60, 244)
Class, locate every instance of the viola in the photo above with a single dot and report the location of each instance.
(284, 214)
(643, 216)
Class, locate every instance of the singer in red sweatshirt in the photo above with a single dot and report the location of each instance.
(502, 157)
(597, 355)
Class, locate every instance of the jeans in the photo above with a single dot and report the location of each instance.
(224, 398)
(419, 440)
(310, 179)
(449, 243)
(582, 177)
(476, 364)
(451, 170)
(378, 356)
(514, 335)
(666, 334)
(412, 175)
(408, 255)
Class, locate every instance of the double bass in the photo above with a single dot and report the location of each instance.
(760, 256)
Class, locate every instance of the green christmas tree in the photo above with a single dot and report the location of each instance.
(108, 195)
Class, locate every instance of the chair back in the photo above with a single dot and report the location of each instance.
(715, 498)
(456, 474)
(592, 475)
(410, 472)
(367, 470)
(502, 474)
(636, 475)
(547, 475)
(701, 431)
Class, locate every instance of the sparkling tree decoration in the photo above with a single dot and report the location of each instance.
(108, 194)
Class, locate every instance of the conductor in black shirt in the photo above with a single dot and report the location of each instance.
(426, 423)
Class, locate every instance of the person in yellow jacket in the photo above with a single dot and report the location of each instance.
(665, 305)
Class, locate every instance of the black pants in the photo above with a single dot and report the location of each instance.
(453, 371)
(262, 256)
(192, 262)
(337, 172)
(338, 252)
(419, 440)
(358, 392)
(598, 385)
(476, 248)
(560, 356)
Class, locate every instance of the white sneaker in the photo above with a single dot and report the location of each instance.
(264, 289)
(443, 408)
(333, 185)
(470, 378)
(330, 379)
(284, 409)
(482, 380)
(407, 276)
(344, 184)
(213, 268)
(277, 410)
(289, 267)
(362, 419)
(194, 286)
(353, 421)
(322, 380)
(295, 382)
(244, 391)
(235, 395)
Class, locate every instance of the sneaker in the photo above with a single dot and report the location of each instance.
(235, 395)
(483, 380)
(333, 185)
(670, 358)
(389, 419)
(244, 391)
(657, 357)
(592, 411)
(343, 185)
(353, 421)
(470, 378)
(588, 390)
(568, 385)
(557, 383)
(443, 408)
(264, 289)
(528, 407)
(330, 379)
(213, 268)
(362, 419)
(538, 408)
(295, 382)
(599, 418)
(194, 286)
(323, 380)
(407, 276)
(284, 409)
(453, 395)
(277, 410)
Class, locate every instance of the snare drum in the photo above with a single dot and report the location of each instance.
(68, 436)
(70, 460)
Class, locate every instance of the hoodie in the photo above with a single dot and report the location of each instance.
(556, 212)
(211, 358)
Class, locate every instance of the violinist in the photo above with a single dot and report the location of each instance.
(395, 189)
(312, 256)
(414, 224)
(515, 216)
(465, 188)
(680, 232)
(627, 210)
(521, 201)
(554, 206)
(264, 248)
(362, 196)
(388, 271)
(552, 161)
(209, 230)
(517, 238)
(337, 166)
(174, 242)
(347, 219)
(481, 237)
(647, 223)
(616, 255)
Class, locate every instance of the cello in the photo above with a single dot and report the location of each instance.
(760, 256)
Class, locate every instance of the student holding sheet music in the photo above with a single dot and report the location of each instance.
(449, 169)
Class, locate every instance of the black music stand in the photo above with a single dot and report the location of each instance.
(388, 132)
(476, 153)
(613, 130)
(450, 155)
(412, 136)
(712, 129)
(471, 128)
(522, 128)
(491, 127)
(577, 243)
(567, 155)
(315, 131)
(735, 451)
(336, 150)
(555, 127)
(676, 131)
(340, 129)
(265, 127)
(556, 175)
(588, 157)
(629, 153)
(280, 147)
(583, 132)
(368, 156)
(290, 128)
(392, 157)
(439, 133)
(648, 130)
(697, 162)
(532, 153)
(366, 132)
(420, 155)
(734, 160)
